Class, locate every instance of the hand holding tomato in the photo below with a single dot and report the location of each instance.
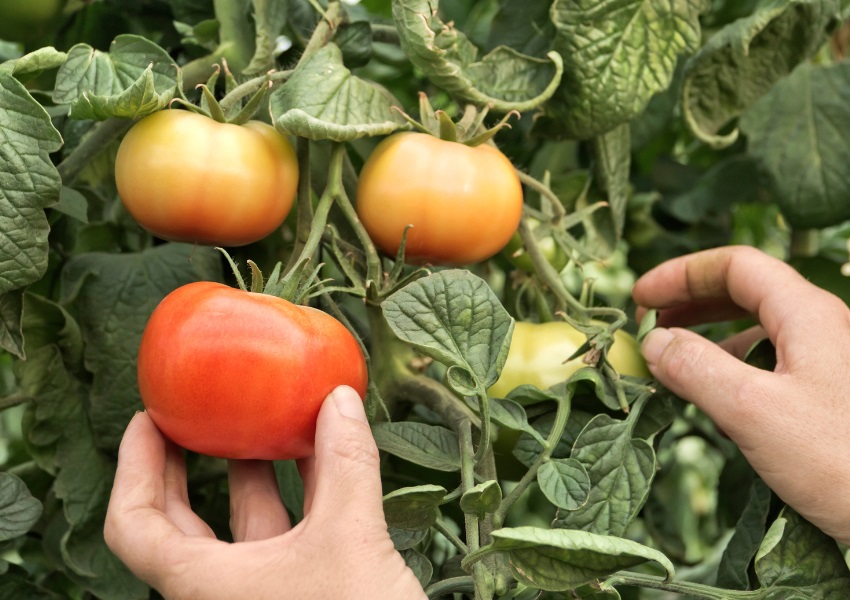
(791, 424)
(340, 550)
(236, 374)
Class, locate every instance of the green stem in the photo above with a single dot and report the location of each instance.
(374, 270)
(440, 526)
(386, 34)
(454, 585)
(305, 202)
(324, 30)
(473, 541)
(99, 137)
(251, 86)
(548, 273)
(14, 400)
(236, 36)
(695, 591)
(320, 217)
(545, 191)
(530, 476)
(436, 397)
(804, 243)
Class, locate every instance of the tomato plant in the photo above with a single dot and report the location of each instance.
(518, 256)
(242, 375)
(443, 189)
(539, 352)
(237, 191)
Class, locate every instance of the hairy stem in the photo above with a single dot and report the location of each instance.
(530, 476)
(100, 136)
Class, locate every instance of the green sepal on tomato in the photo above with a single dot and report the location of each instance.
(188, 178)
(237, 374)
(538, 351)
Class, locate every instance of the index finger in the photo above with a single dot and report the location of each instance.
(725, 278)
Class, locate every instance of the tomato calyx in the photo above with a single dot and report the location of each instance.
(234, 113)
(469, 130)
(297, 285)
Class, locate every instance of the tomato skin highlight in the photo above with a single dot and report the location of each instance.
(240, 375)
(538, 350)
(187, 178)
(464, 203)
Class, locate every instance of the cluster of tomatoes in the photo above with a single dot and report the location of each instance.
(188, 178)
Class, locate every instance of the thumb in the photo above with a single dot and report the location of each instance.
(703, 373)
(344, 479)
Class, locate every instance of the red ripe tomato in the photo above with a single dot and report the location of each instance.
(464, 203)
(241, 375)
(187, 178)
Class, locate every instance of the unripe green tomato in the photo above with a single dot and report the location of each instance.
(28, 20)
(538, 350)
(521, 259)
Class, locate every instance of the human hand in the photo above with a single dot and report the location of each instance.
(340, 550)
(793, 425)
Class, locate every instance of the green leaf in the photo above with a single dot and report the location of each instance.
(523, 25)
(617, 55)
(35, 63)
(427, 445)
(564, 481)
(742, 61)
(73, 204)
(136, 78)
(612, 151)
(621, 470)
(11, 336)
(797, 133)
(18, 509)
(270, 18)
(508, 413)
(455, 318)
(560, 560)
(322, 100)
(404, 539)
(797, 561)
(114, 295)
(413, 508)
(29, 183)
(504, 78)
(16, 585)
(83, 474)
(291, 488)
(421, 566)
(527, 448)
(355, 43)
(481, 499)
(733, 570)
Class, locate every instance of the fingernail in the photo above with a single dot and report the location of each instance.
(348, 403)
(654, 344)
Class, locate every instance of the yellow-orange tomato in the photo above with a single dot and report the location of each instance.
(464, 203)
(538, 352)
(185, 177)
